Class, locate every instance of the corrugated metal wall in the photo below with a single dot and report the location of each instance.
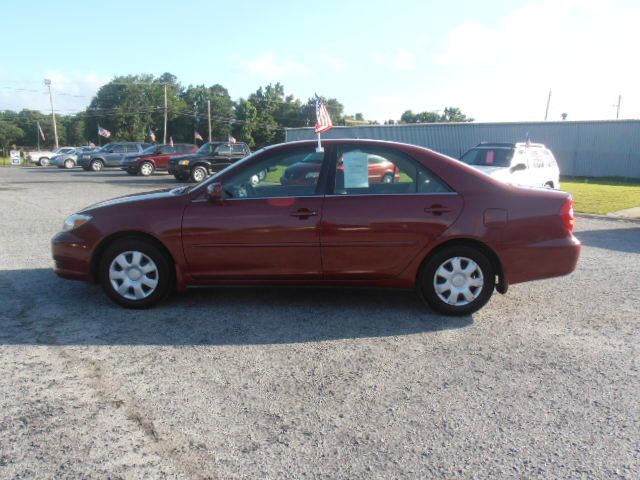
(591, 149)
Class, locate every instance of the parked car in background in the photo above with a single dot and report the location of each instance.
(307, 170)
(443, 228)
(155, 158)
(531, 165)
(111, 155)
(210, 158)
(43, 157)
(69, 159)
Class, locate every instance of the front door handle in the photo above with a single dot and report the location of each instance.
(437, 209)
(304, 213)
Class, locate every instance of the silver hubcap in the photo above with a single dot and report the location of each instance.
(146, 169)
(458, 281)
(198, 175)
(97, 166)
(68, 164)
(133, 275)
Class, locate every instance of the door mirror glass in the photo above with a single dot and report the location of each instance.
(518, 167)
(215, 192)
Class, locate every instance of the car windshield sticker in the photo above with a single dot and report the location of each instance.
(356, 170)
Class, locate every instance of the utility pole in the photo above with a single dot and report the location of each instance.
(47, 82)
(209, 116)
(546, 113)
(618, 107)
(164, 138)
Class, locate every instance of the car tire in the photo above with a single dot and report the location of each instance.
(146, 169)
(135, 273)
(198, 174)
(387, 178)
(468, 272)
(68, 163)
(181, 178)
(97, 165)
(43, 162)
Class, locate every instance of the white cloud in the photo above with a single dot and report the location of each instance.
(401, 59)
(582, 50)
(269, 67)
(336, 64)
(72, 92)
(384, 108)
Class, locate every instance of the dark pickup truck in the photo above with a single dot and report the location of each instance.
(210, 158)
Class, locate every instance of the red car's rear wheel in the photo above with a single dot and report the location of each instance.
(457, 280)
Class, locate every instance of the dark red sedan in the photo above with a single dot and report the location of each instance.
(451, 232)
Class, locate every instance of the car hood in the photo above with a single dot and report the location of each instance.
(136, 197)
(499, 173)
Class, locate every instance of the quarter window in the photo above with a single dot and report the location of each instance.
(380, 171)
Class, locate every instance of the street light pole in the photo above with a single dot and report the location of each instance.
(47, 82)
(209, 117)
(164, 135)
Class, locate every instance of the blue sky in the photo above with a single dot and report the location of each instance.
(495, 59)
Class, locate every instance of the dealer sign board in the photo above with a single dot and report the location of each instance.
(15, 157)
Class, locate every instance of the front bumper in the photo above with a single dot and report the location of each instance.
(71, 257)
(180, 170)
(130, 167)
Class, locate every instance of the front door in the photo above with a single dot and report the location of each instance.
(265, 228)
(374, 225)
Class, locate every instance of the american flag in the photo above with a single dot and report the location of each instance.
(232, 139)
(323, 120)
(41, 132)
(197, 136)
(152, 135)
(103, 132)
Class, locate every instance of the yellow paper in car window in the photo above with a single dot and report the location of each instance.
(356, 170)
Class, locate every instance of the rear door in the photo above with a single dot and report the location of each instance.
(373, 228)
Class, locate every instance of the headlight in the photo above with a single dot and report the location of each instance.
(312, 175)
(183, 162)
(75, 221)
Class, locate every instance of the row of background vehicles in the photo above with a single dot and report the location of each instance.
(185, 161)
(529, 164)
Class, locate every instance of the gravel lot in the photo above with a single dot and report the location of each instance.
(309, 383)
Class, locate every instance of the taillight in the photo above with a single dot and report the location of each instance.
(567, 214)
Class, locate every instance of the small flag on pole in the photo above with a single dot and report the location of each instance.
(41, 133)
(103, 132)
(323, 119)
(171, 141)
(197, 136)
(152, 135)
(231, 139)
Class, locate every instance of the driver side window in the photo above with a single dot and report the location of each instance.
(294, 173)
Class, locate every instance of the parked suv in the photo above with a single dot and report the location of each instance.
(111, 155)
(156, 157)
(210, 158)
(528, 164)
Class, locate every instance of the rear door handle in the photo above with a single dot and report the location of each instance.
(437, 209)
(304, 213)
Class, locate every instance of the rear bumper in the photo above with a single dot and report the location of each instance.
(71, 257)
(551, 258)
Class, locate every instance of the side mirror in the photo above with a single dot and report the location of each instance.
(517, 167)
(215, 193)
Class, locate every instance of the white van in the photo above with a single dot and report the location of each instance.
(531, 165)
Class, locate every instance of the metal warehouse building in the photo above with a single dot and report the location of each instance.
(591, 148)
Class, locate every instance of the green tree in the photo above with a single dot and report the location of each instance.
(454, 114)
(9, 135)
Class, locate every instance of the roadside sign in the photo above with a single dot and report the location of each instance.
(15, 157)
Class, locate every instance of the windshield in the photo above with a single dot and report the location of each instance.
(208, 148)
(488, 157)
(106, 148)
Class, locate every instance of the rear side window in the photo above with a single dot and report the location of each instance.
(131, 148)
(488, 157)
(380, 171)
(223, 150)
(237, 148)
